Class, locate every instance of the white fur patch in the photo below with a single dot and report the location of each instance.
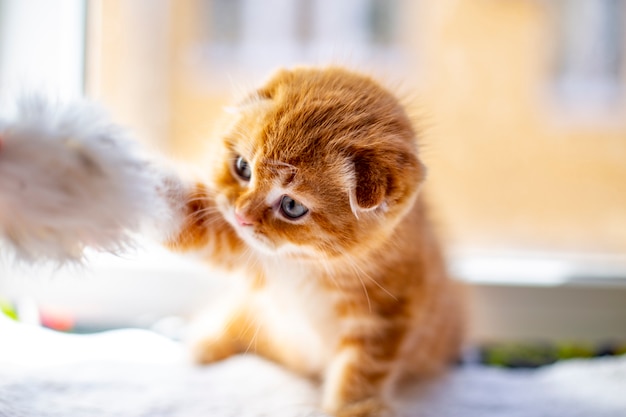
(274, 195)
(292, 310)
(69, 179)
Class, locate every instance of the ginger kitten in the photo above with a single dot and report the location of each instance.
(316, 201)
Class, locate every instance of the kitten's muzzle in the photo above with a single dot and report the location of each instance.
(244, 220)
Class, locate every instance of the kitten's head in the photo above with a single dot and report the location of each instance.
(319, 163)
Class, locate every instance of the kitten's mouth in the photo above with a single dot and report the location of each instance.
(250, 233)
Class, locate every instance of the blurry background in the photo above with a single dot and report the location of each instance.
(521, 106)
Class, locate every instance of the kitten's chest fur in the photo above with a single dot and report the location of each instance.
(296, 314)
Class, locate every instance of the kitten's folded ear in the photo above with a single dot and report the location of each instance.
(386, 176)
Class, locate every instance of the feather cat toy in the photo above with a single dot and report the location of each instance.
(69, 179)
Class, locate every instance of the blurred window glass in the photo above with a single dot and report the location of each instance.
(590, 57)
(261, 34)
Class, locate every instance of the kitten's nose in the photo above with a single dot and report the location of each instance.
(243, 220)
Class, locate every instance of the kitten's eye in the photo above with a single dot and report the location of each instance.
(291, 209)
(242, 168)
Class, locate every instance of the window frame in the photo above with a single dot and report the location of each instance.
(37, 35)
(580, 95)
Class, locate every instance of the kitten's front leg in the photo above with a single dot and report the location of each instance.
(225, 329)
(361, 373)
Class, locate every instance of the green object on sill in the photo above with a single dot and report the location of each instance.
(7, 308)
(535, 354)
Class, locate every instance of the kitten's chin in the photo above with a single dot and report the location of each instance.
(257, 242)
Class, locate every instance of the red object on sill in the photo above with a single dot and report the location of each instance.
(57, 320)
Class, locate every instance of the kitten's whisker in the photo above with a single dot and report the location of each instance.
(193, 199)
(382, 288)
(226, 328)
(330, 272)
(205, 192)
(367, 296)
(206, 210)
(249, 257)
(360, 271)
(253, 340)
(198, 216)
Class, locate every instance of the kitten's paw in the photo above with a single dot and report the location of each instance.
(206, 351)
(370, 407)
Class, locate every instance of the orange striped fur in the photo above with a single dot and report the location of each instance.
(355, 290)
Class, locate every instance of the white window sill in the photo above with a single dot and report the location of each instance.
(536, 269)
(513, 295)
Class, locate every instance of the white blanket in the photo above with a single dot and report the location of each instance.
(134, 373)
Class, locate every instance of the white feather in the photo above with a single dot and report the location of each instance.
(69, 179)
